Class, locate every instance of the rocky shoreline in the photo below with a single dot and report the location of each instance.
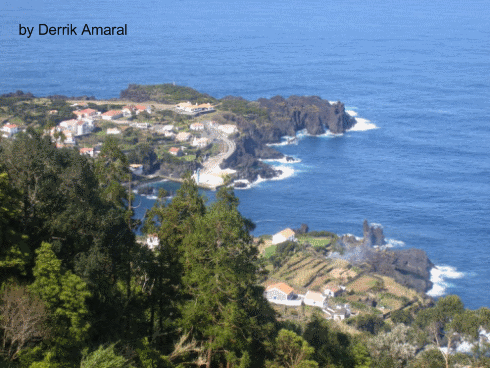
(409, 267)
(285, 117)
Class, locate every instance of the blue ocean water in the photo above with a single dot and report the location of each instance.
(419, 71)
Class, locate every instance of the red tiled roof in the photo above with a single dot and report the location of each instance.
(112, 113)
(10, 126)
(140, 107)
(174, 149)
(285, 288)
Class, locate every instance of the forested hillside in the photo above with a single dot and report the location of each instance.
(78, 290)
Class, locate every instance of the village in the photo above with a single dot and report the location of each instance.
(180, 139)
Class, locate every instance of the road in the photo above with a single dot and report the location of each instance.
(211, 174)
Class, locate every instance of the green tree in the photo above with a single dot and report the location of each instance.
(291, 351)
(64, 295)
(332, 348)
(14, 251)
(112, 169)
(224, 308)
(443, 320)
(104, 357)
(393, 348)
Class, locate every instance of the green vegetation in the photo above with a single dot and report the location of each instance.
(77, 290)
(165, 93)
(249, 110)
(270, 251)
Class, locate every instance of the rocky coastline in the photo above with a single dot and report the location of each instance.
(409, 267)
(284, 117)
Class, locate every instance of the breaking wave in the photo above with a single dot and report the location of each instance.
(362, 125)
(439, 276)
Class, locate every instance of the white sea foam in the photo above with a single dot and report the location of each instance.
(351, 112)
(283, 160)
(362, 125)
(286, 173)
(392, 243)
(439, 276)
(329, 134)
(152, 197)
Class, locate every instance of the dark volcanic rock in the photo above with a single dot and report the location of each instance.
(409, 267)
(306, 112)
(373, 234)
(283, 117)
(177, 170)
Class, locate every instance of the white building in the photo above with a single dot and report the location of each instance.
(197, 126)
(113, 131)
(284, 235)
(152, 241)
(112, 115)
(200, 142)
(183, 137)
(228, 128)
(8, 130)
(315, 299)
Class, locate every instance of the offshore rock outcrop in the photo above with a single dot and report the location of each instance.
(373, 234)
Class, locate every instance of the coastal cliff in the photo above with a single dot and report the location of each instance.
(266, 121)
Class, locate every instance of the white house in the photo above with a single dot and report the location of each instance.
(200, 142)
(279, 291)
(113, 131)
(333, 290)
(175, 151)
(9, 130)
(188, 107)
(339, 312)
(284, 235)
(86, 113)
(196, 126)
(89, 151)
(83, 127)
(112, 115)
(152, 241)
(68, 137)
(140, 108)
(228, 128)
(183, 137)
(315, 299)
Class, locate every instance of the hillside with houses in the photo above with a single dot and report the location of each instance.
(307, 269)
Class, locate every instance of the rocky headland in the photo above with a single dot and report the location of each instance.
(409, 267)
(271, 119)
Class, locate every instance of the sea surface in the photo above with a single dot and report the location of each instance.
(416, 74)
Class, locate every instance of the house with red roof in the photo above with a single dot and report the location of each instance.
(89, 151)
(86, 113)
(112, 115)
(175, 151)
(9, 130)
(279, 291)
